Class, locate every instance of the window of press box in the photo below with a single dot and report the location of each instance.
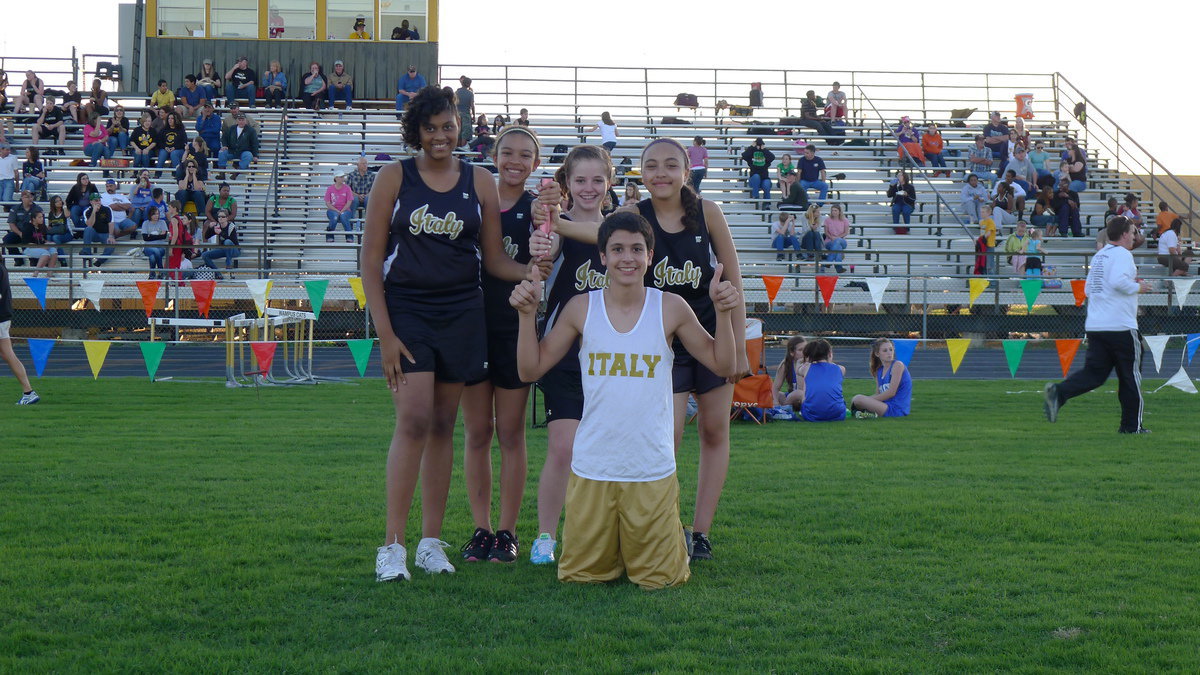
(181, 18)
(233, 19)
(292, 19)
(394, 15)
(342, 15)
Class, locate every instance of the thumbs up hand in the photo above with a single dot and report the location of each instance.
(723, 294)
(527, 294)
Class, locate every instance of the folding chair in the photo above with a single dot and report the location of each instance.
(757, 390)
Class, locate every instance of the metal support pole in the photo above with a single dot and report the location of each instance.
(924, 307)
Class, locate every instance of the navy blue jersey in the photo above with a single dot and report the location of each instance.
(433, 242)
(577, 270)
(515, 228)
(684, 265)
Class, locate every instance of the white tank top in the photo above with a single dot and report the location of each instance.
(627, 430)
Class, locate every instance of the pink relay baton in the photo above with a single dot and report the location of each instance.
(546, 227)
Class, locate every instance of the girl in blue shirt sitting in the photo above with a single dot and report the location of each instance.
(893, 385)
(821, 381)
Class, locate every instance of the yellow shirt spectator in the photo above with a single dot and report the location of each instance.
(162, 99)
(360, 35)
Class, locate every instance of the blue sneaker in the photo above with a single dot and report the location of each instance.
(542, 551)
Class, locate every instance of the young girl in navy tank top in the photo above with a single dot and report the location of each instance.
(427, 220)
(692, 236)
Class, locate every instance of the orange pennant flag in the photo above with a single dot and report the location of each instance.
(264, 353)
(149, 291)
(827, 282)
(203, 292)
(1066, 353)
(1078, 288)
(772, 284)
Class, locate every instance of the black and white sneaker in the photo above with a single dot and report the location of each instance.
(479, 546)
(1139, 430)
(504, 547)
(701, 547)
(1052, 404)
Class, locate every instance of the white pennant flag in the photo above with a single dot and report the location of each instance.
(877, 285)
(259, 289)
(1182, 288)
(1180, 381)
(91, 290)
(1157, 344)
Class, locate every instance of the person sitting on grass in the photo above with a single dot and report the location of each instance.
(622, 507)
(820, 382)
(893, 385)
(786, 375)
(29, 397)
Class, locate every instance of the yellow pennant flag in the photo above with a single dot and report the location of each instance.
(96, 350)
(957, 348)
(359, 294)
(260, 290)
(978, 286)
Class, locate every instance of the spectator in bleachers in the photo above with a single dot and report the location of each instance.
(498, 123)
(811, 118)
(98, 219)
(1016, 245)
(697, 162)
(361, 180)
(523, 118)
(3, 91)
(240, 82)
(222, 201)
(608, 131)
(341, 85)
(78, 197)
(758, 161)
(191, 186)
(313, 86)
(407, 87)
(97, 100)
(140, 197)
(118, 131)
(34, 240)
(784, 234)
(995, 137)
(795, 197)
(158, 199)
(465, 100)
(208, 127)
(908, 138)
(1164, 218)
(209, 80)
(121, 209)
(145, 143)
(1170, 251)
(409, 31)
(360, 32)
(339, 207)
(51, 123)
(1034, 253)
(1038, 157)
(632, 195)
(1018, 192)
(904, 200)
(189, 98)
(275, 24)
(837, 228)
(154, 233)
(784, 169)
(240, 144)
(933, 146)
(1023, 169)
(72, 103)
(482, 144)
(95, 140)
(222, 232)
(974, 198)
(275, 85)
(1130, 210)
(1076, 165)
(981, 252)
(981, 162)
(162, 98)
(58, 223)
(33, 173)
(196, 152)
(811, 240)
(9, 173)
(835, 104)
(179, 234)
(812, 174)
(1018, 135)
(158, 121)
(20, 219)
(1110, 213)
(33, 91)
(1004, 205)
(174, 141)
(1043, 211)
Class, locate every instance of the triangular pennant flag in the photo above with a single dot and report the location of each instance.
(264, 353)
(91, 290)
(357, 287)
(957, 348)
(1181, 381)
(1182, 288)
(1032, 288)
(361, 349)
(877, 286)
(1066, 353)
(39, 350)
(202, 291)
(1078, 287)
(1013, 351)
(1157, 344)
(149, 291)
(38, 286)
(96, 351)
(152, 353)
(316, 294)
(827, 282)
(1193, 341)
(770, 282)
(978, 286)
(905, 350)
(260, 290)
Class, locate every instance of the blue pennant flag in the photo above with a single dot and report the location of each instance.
(39, 349)
(905, 350)
(38, 286)
(1193, 341)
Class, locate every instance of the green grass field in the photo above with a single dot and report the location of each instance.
(168, 526)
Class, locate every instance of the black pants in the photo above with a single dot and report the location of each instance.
(1107, 350)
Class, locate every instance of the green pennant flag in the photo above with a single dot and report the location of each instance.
(152, 353)
(1013, 351)
(1032, 288)
(316, 294)
(361, 349)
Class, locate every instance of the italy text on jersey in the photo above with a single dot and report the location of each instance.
(421, 221)
(587, 278)
(667, 275)
(617, 365)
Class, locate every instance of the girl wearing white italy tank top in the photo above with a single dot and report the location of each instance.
(622, 510)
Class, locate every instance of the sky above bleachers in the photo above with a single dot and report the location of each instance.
(1133, 62)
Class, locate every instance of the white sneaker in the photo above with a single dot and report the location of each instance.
(390, 563)
(431, 557)
(542, 551)
(29, 399)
